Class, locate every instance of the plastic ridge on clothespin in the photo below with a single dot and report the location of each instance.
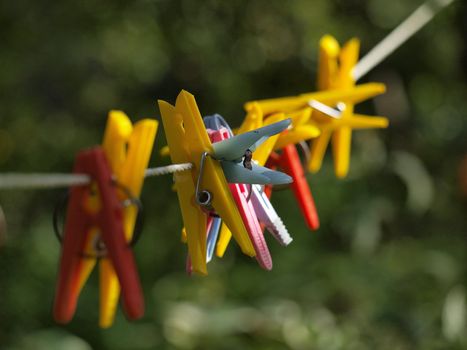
(268, 216)
(95, 219)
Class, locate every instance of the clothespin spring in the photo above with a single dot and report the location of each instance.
(203, 197)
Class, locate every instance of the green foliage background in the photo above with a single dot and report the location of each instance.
(387, 269)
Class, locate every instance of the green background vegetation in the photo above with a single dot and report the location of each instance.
(387, 269)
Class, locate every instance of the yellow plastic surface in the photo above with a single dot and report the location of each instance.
(188, 140)
(301, 129)
(335, 73)
(127, 149)
(255, 120)
(337, 86)
(329, 97)
(224, 238)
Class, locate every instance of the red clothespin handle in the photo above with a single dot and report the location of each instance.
(108, 219)
(289, 161)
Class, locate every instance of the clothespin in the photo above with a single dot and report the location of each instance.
(255, 212)
(127, 149)
(204, 189)
(338, 89)
(335, 72)
(289, 161)
(95, 219)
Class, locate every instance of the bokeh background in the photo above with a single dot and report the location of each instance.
(388, 267)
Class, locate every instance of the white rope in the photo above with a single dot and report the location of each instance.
(169, 169)
(329, 111)
(420, 17)
(51, 180)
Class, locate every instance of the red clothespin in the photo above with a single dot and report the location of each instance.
(95, 213)
(289, 161)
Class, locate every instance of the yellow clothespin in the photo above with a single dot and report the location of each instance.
(188, 140)
(128, 149)
(338, 89)
(335, 72)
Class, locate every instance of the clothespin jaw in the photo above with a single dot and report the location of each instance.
(268, 217)
(107, 217)
(188, 141)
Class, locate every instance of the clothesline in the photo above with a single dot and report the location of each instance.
(57, 180)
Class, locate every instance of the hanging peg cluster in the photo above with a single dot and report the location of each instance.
(224, 178)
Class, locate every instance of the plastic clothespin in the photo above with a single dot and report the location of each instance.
(199, 192)
(335, 72)
(247, 211)
(128, 149)
(289, 161)
(94, 217)
(338, 89)
(255, 212)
